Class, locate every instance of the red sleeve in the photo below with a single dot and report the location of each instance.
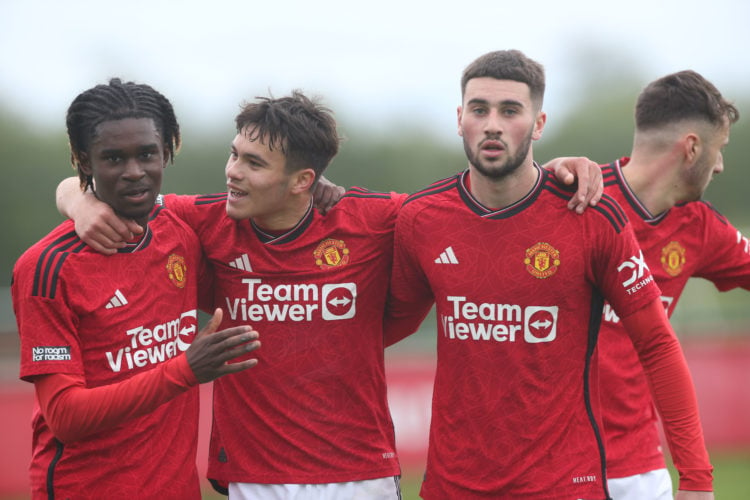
(74, 411)
(673, 393)
(410, 297)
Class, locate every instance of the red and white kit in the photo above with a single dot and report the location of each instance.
(519, 295)
(689, 240)
(108, 319)
(314, 410)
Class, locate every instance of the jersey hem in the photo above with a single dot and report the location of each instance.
(298, 479)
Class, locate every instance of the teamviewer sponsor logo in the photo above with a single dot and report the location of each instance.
(339, 301)
(499, 322)
(51, 353)
(299, 302)
(153, 344)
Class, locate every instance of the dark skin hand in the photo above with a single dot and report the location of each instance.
(210, 353)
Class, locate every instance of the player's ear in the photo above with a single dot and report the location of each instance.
(691, 147)
(459, 114)
(541, 120)
(81, 161)
(303, 180)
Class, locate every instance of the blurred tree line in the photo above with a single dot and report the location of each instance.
(600, 127)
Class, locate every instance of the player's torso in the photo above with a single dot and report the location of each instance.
(132, 311)
(514, 309)
(316, 402)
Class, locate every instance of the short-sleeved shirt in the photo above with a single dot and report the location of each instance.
(108, 318)
(314, 409)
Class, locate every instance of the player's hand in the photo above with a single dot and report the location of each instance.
(211, 351)
(98, 225)
(694, 495)
(587, 173)
(326, 194)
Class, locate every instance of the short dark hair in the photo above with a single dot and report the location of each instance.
(303, 129)
(508, 65)
(116, 101)
(684, 95)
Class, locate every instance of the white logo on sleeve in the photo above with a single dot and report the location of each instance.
(637, 268)
(447, 257)
(118, 300)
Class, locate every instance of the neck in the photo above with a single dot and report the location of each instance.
(653, 179)
(499, 193)
(294, 209)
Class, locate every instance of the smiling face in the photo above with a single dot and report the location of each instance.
(258, 184)
(126, 159)
(498, 121)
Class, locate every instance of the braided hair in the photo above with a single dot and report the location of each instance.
(116, 101)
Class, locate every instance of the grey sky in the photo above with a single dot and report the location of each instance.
(380, 62)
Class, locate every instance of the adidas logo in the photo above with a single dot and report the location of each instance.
(447, 257)
(118, 300)
(242, 263)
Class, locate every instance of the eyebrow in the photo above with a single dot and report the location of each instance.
(506, 102)
(250, 156)
(143, 147)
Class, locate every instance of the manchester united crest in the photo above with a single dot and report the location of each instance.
(542, 260)
(331, 253)
(176, 269)
(673, 258)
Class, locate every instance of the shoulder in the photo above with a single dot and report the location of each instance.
(434, 191)
(703, 209)
(362, 202)
(41, 265)
(611, 211)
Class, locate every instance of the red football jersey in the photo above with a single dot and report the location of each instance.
(690, 239)
(84, 313)
(519, 295)
(314, 409)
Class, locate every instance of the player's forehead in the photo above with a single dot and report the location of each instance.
(491, 91)
(126, 133)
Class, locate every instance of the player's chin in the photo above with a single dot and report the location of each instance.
(237, 212)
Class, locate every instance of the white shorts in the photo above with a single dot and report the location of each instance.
(651, 485)
(384, 488)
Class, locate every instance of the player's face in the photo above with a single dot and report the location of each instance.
(498, 121)
(258, 185)
(710, 161)
(126, 160)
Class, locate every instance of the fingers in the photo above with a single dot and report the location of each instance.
(211, 354)
(213, 323)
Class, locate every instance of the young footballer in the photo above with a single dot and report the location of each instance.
(682, 124)
(519, 283)
(110, 343)
(313, 421)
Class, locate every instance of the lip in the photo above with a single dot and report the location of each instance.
(235, 194)
(492, 148)
(136, 195)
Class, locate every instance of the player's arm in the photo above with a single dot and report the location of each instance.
(586, 173)
(326, 194)
(674, 395)
(74, 411)
(95, 222)
(410, 296)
